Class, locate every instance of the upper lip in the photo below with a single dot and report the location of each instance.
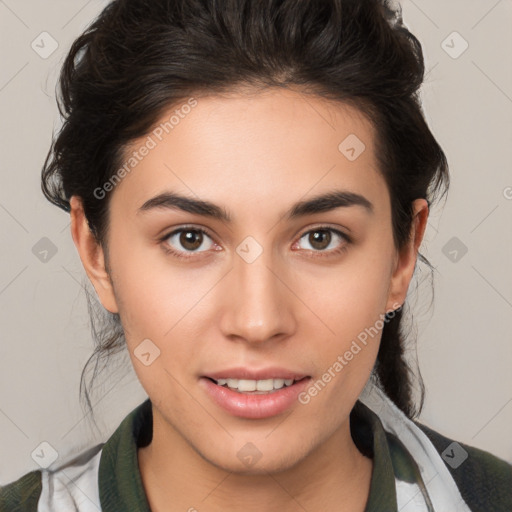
(272, 372)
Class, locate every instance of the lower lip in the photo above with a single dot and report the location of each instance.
(254, 406)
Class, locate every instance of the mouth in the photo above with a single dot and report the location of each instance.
(256, 398)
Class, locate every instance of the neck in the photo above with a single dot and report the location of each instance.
(334, 476)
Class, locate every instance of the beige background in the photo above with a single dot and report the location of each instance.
(464, 341)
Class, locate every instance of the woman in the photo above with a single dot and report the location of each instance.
(249, 185)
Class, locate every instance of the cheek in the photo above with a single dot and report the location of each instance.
(156, 301)
(348, 297)
(153, 293)
(158, 308)
(349, 301)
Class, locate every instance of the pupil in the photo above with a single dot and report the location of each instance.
(321, 238)
(191, 239)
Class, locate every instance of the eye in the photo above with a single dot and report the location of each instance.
(187, 240)
(325, 240)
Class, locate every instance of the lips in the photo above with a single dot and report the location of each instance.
(257, 404)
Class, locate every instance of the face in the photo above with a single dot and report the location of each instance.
(281, 282)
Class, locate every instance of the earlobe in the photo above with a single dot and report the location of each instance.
(92, 255)
(405, 261)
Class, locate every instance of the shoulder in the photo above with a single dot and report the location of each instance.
(23, 494)
(71, 486)
(484, 480)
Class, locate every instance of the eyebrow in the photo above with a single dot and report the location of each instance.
(319, 204)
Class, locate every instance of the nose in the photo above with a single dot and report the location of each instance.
(257, 305)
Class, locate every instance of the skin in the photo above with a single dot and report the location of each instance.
(255, 155)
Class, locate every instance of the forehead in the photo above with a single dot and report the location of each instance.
(246, 147)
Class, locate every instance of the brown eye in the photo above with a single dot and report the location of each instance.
(319, 239)
(324, 240)
(188, 240)
(191, 240)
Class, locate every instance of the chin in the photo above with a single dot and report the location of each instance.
(249, 460)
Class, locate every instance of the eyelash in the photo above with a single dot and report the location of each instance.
(317, 254)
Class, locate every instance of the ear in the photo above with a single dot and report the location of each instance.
(92, 256)
(407, 256)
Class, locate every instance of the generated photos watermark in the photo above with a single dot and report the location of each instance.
(150, 143)
(343, 360)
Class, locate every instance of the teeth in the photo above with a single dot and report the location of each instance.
(261, 385)
(278, 383)
(247, 385)
(232, 383)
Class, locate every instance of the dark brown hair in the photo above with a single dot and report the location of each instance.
(139, 57)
